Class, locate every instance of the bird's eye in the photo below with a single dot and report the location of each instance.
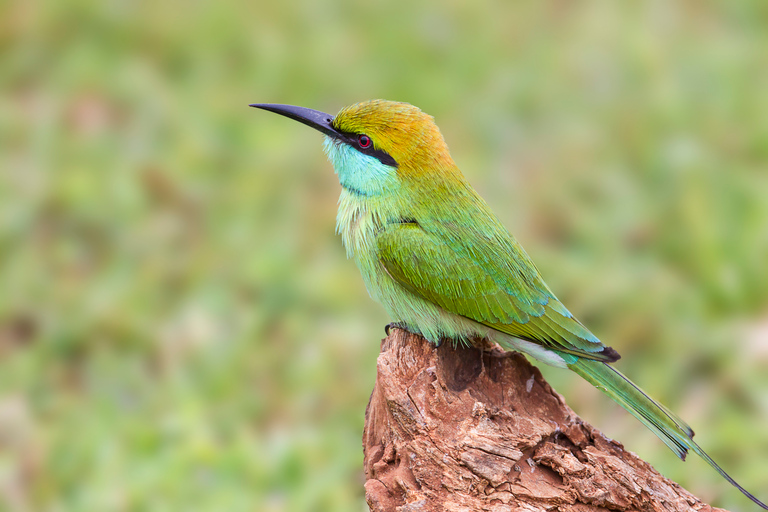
(364, 141)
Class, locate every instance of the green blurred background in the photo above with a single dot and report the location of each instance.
(179, 327)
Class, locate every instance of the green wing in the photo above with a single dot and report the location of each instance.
(486, 277)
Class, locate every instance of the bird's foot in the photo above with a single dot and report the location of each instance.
(404, 327)
(395, 325)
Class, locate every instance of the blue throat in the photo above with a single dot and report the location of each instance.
(361, 174)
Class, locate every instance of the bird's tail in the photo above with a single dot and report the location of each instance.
(675, 433)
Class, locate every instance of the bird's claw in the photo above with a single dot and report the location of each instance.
(396, 325)
(404, 327)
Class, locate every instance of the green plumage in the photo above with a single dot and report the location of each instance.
(478, 278)
(442, 264)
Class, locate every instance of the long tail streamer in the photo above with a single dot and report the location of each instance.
(675, 433)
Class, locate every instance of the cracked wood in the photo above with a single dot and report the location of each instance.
(464, 429)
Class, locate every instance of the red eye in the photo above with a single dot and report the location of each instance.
(364, 141)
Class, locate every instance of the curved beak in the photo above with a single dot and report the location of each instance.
(318, 120)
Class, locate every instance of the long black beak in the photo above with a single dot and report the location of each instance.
(314, 118)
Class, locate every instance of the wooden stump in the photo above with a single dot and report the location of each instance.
(461, 429)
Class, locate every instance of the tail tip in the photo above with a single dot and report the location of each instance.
(610, 355)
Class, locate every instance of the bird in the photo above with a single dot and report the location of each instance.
(443, 265)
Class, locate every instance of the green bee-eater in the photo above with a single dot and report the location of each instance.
(432, 252)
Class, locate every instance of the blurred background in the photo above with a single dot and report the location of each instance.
(179, 327)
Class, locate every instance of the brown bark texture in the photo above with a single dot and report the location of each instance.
(462, 429)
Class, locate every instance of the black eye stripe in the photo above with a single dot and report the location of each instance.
(355, 139)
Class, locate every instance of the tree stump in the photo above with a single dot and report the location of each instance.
(462, 429)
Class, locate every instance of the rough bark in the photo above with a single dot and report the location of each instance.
(462, 429)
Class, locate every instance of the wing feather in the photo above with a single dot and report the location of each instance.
(487, 279)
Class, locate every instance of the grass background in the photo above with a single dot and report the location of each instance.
(179, 328)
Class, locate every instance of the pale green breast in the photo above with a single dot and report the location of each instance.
(360, 220)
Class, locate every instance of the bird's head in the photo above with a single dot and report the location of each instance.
(376, 145)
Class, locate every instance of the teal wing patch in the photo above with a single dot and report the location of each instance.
(488, 279)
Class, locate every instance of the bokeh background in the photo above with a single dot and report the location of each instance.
(179, 327)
